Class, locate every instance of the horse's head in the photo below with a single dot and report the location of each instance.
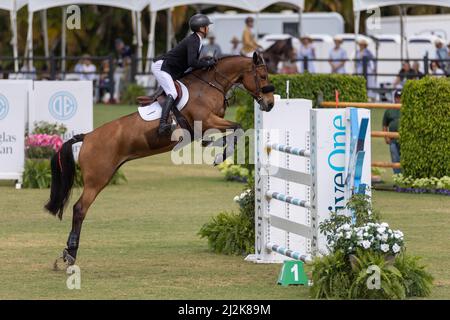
(280, 50)
(256, 81)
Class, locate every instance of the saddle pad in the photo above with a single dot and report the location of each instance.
(153, 111)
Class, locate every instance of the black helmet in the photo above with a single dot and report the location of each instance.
(197, 21)
(397, 93)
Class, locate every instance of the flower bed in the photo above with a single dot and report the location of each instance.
(422, 185)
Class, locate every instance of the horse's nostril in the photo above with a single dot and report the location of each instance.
(271, 105)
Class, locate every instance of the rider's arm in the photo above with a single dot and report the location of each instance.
(193, 61)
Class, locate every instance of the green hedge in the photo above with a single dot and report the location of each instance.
(309, 86)
(425, 128)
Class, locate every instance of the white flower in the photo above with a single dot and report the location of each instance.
(366, 244)
(348, 235)
(366, 234)
(384, 247)
(396, 248)
(346, 226)
(384, 237)
(381, 230)
(384, 224)
(236, 199)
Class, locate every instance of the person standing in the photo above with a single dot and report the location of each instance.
(391, 121)
(337, 56)
(212, 49)
(235, 47)
(249, 44)
(363, 53)
(441, 53)
(307, 52)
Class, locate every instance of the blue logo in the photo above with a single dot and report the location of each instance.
(62, 105)
(4, 107)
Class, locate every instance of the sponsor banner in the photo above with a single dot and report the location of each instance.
(63, 102)
(13, 107)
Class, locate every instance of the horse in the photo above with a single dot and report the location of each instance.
(281, 50)
(108, 147)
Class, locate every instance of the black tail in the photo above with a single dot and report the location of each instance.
(63, 174)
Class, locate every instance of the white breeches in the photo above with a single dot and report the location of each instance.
(164, 79)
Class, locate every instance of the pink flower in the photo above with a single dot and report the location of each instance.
(44, 140)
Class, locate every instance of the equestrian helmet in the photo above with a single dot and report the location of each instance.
(197, 21)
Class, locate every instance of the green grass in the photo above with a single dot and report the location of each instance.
(140, 239)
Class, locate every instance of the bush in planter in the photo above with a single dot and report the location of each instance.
(343, 274)
(233, 233)
(38, 175)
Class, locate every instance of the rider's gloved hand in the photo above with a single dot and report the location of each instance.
(208, 62)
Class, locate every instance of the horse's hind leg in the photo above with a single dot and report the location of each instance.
(95, 178)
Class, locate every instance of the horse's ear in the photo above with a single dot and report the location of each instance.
(255, 57)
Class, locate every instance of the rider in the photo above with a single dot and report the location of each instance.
(172, 65)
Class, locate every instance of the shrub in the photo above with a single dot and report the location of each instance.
(38, 175)
(233, 233)
(132, 91)
(359, 250)
(424, 128)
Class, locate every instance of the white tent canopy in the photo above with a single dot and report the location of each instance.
(135, 6)
(249, 5)
(361, 5)
(13, 6)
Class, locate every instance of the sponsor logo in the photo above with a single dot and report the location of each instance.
(4, 107)
(62, 106)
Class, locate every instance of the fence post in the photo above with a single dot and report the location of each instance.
(305, 63)
(111, 77)
(425, 64)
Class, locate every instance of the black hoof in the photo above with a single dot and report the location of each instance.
(68, 259)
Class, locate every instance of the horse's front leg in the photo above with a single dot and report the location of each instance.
(228, 142)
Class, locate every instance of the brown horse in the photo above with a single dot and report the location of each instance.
(281, 50)
(108, 147)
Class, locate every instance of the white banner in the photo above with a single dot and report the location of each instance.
(63, 102)
(13, 107)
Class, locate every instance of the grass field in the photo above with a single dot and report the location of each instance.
(140, 240)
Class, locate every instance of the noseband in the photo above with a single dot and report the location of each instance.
(264, 90)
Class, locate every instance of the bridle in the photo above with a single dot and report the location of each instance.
(257, 95)
(264, 90)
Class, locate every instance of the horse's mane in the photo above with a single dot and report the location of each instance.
(226, 56)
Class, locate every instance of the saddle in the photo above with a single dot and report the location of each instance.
(160, 96)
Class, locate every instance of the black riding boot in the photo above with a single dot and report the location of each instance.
(164, 127)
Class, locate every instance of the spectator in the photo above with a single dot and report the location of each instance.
(391, 120)
(448, 60)
(416, 69)
(104, 82)
(405, 73)
(88, 69)
(337, 55)
(123, 53)
(211, 49)
(236, 48)
(122, 70)
(306, 51)
(249, 44)
(435, 69)
(441, 52)
(361, 53)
